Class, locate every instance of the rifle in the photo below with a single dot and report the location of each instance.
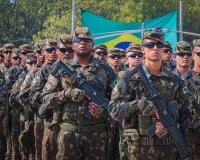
(166, 116)
(14, 76)
(83, 84)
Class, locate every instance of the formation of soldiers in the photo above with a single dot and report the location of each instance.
(44, 115)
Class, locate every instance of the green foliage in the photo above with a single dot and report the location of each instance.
(27, 21)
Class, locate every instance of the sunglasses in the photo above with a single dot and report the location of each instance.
(39, 51)
(16, 57)
(31, 62)
(49, 50)
(113, 56)
(167, 50)
(198, 53)
(64, 50)
(24, 52)
(100, 53)
(182, 54)
(78, 40)
(134, 55)
(152, 44)
(6, 52)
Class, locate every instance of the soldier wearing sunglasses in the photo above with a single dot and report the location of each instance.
(80, 137)
(167, 56)
(192, 134)
(130, 98)
(100, 52)
(183, 57)
(7, 51)
(114, 59)
(49, 47)
(65, 51)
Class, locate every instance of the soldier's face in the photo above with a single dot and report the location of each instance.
(1, 59)
(167, 54)
(100, 54)
(196, 56)
(183, 61)
(83, 47)
(7, 55)
(134, 59)
(114, 59)
(50, 54)
(152, 53)
(65, 52)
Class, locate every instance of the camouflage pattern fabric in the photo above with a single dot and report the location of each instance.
(99, 73)
(127, 102)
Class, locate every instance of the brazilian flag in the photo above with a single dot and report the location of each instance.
(109, 32)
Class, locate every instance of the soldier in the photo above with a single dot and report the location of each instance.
(8, 48)
(130, 98)
(183, 57)
(100, 52)
(3, 107)
(80, 137)
(134, 56)
(33, 119)
(65, 51)
(49, 149)
(167, 56)
(114, 57)
(193, 133)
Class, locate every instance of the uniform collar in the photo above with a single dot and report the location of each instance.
(92, 62)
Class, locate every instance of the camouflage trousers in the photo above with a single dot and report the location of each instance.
(149, 152)
(194, 144)
(2, 138)
(82, 146)
(49, 144)
(38, 133)
(12, 138)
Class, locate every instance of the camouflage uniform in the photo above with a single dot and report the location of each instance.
(80, 137)
(193, 133)
(49, 147)
(130, 97)
(3, 107)
(34, 120)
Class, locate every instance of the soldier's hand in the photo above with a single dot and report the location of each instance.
(161, 131)
(95, 109)
(76, 95)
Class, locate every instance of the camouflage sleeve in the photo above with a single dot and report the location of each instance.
(122, 104)
(37, 85)
(52, 97)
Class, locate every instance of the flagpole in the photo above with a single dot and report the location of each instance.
(142, 28)
(181, 20)
(73, 15)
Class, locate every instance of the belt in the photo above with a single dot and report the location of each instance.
(84, 128)
(144, 140)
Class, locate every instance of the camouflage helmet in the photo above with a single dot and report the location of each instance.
(115, 51)
(65, 39)
(26, 48)
(1, 49)
(39, 45)
(134, 46)
(153, 35)
(50, 42)
(102, 46)
(31, 56)
(8, 47)
(196, 43)
(82, 32)
(183, 46)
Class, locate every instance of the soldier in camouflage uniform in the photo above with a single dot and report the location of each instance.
(11, 77)
(65, 51)
(34, 124)
(3, 107)
(193, 133)
(8, 48)
(101, 52)
(114, 59)
(48, 142)
(80, 137)
(130, 98)
(167, 56)
(2, 58)
(183, 57)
